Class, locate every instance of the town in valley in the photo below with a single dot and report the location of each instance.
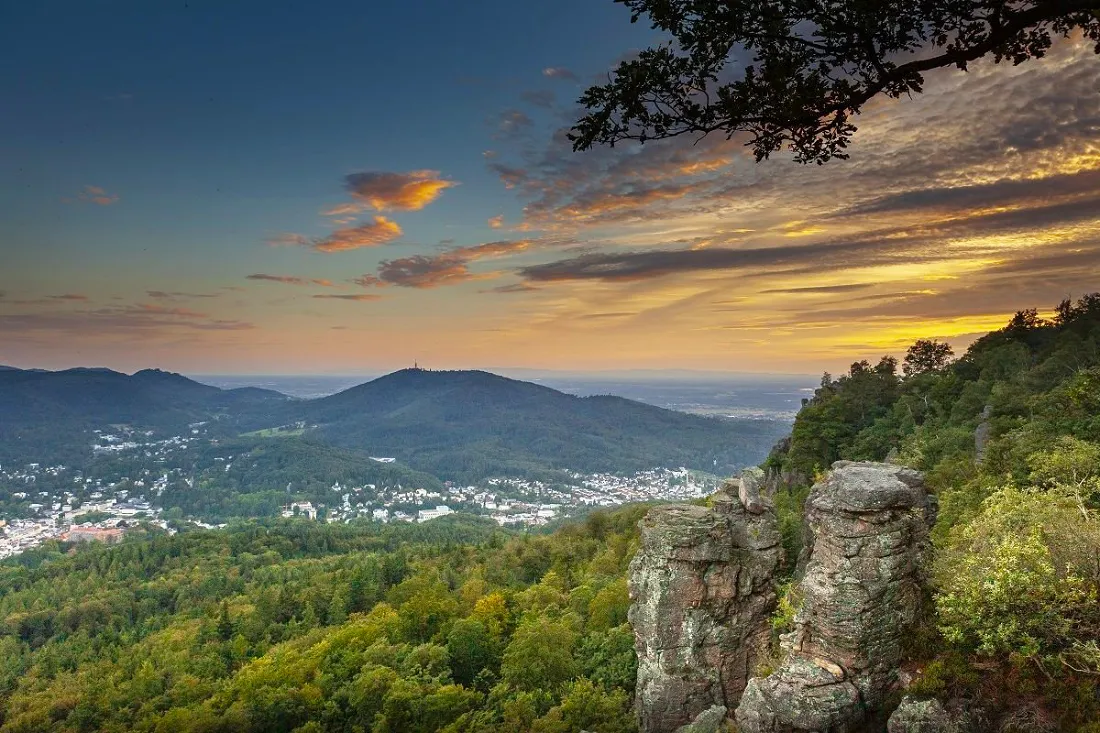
(42, 501)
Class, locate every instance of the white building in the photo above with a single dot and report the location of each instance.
(425, 515)
(305, 509)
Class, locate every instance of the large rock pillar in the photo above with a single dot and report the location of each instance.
(860, 597)
(702, 593)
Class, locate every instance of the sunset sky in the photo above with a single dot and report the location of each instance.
(348, 187)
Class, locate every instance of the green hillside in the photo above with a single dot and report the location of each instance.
(1009, 437)
(456, 425)
(469, 424)
(452, 625)
(51, 415)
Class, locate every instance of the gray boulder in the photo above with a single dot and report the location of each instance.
(861, 595)
(711, 720)
(702, 592)
(926, 716)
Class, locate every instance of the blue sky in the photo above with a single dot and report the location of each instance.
(225, 121)
(351, 186)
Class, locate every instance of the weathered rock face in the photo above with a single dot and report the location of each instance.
(711, 720)
(982, 435)
(860, 596)
(927, 716)
(702, 592)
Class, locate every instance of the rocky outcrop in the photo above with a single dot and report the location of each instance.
(982, 435)
(860, 596)
(702, 593)
(711, 720)
(914, 715)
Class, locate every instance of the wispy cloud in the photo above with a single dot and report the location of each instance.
(290, 280)
(820, 289)
(359, 297)
(512, 123)
(559, 72)
(179, 295)
(420, 271)
(97, 195)
(539, 98)
(379, 230)
(496, 222)
(144, 320)
(446, 268)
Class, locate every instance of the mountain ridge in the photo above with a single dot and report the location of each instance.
(462, 424)
(472, 423)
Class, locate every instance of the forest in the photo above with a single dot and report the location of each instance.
(1008, 436)
(303, 626)
(457, 625)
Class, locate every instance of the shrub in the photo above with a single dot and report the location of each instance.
(1020, 579)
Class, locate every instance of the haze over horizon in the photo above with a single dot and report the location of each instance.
(264, 189)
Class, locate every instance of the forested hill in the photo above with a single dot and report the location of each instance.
(53, 412)
(458, 425)
(469, 424)
(1009, 437)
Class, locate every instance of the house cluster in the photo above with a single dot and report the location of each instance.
(43, 501)
(103, 516)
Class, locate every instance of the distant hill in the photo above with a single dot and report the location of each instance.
(470, 424)
(460, 425)
(49, 413)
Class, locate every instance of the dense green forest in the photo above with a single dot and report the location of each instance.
(256, 477)
(1009, 438)
(457, 625)
(302, 626)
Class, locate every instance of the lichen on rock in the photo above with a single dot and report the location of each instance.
(915, 715)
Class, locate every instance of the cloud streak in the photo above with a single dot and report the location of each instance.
(446, 268)
(378, 231)
(358, 297)
(290, 280)
(143, 320)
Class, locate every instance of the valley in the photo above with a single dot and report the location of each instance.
(92, 444)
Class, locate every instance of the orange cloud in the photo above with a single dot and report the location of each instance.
(348, 209)
(385, 191)
(379, 231)
(368, 281)
(496, 222)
